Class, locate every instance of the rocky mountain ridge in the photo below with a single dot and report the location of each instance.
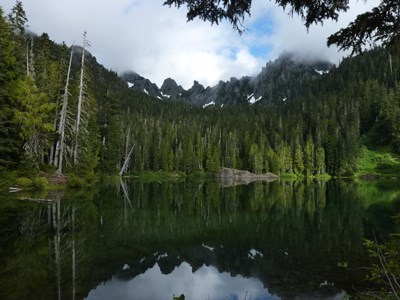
(278, 81)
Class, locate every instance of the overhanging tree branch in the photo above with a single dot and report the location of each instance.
(381, 24)
(235, 11)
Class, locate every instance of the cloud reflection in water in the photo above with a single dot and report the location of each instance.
(205, 283)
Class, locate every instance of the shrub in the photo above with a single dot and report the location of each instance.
(75, 182)
(23, 182)
(40, 183)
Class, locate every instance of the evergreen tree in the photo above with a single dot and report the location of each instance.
(18, 18)
(309, 156)
(31, 115)
(256, 159)
(10, 141)
(320, 160)
(298, 164)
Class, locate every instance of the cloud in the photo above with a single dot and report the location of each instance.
(290, 34)
(157, 42)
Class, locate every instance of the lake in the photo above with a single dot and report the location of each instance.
(205, 240)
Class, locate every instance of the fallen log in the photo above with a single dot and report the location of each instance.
(40, 200)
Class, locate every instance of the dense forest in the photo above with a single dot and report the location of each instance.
(61, 110)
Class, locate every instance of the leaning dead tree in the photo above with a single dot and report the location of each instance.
(60, 146)
(126, 162)
(128, 153)
(80, 109)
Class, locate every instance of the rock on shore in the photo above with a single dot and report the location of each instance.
(230, 177)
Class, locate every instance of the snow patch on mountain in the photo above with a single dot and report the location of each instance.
(165, 95)
(321, 72)
(208, 104)
(251, 99)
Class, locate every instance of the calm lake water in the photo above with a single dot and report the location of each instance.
(135, 240)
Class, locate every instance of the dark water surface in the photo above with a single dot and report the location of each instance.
(135, 240)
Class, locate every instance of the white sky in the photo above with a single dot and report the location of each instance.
(157, 42)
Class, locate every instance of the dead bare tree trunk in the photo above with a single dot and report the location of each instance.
(57, 243)
(31, 61)
(73, 254)
(126, 162)
(27, 58)
(80, 100)
(60, 147)
(126, 200)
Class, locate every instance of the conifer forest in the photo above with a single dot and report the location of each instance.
(61, 108)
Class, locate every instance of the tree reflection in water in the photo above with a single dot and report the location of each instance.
(263, 240)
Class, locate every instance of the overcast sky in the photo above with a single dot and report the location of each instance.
(156, 41)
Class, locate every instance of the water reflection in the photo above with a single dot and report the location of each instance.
(42, 260)
(204, 283)
(275, 240)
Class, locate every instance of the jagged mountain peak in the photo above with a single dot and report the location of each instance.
(170, 88)
(138, 82)
(278, 80)
(196, 88)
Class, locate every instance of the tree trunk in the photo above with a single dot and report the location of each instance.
(60, 146)
(80, 100)
(73, 259)
(27, 58)
(126, 162)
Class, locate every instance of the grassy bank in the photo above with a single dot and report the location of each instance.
(168, 176)
(379, 162)
(370, 164)
(158, 175)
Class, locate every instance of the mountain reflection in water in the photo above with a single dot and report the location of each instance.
(135, 240)
(204, 283)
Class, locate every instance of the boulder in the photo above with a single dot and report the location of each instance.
(231, 177)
